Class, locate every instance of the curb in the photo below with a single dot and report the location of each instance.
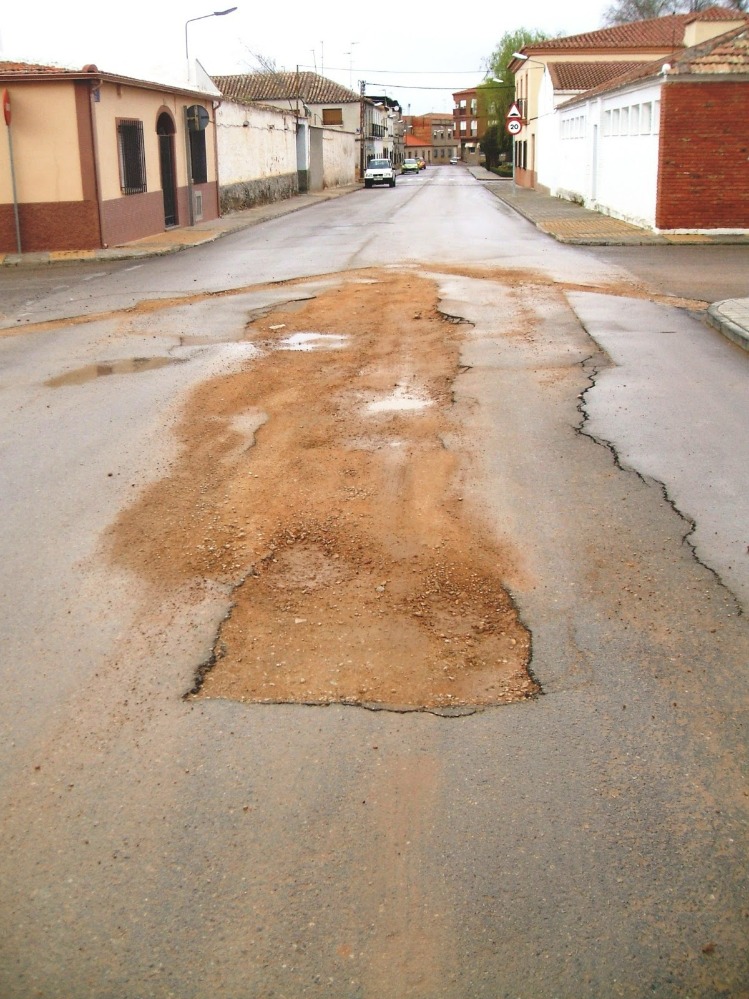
(161, 245)
(726, 326)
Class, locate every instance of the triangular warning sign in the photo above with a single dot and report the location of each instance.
(514, 111)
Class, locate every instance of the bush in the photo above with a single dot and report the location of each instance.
(503, 170)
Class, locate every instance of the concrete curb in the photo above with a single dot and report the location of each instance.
(175, 241)
(724, 324)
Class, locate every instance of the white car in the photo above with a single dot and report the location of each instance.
(379, 172)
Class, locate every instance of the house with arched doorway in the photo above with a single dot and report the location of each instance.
(94, 159)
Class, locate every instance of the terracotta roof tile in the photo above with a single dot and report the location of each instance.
(27, 68)
(308, 87)
(586, 75)
(657, 33)
(725, 54)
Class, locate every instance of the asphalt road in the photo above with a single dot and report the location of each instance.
(592, 842)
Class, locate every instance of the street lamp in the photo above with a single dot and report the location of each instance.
(525, 58)
(216, 13)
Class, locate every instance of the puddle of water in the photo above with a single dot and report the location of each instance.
(128, 366)
(398, 401)
(209, 341)
(313, 341)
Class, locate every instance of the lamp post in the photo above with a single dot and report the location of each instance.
(216, 13)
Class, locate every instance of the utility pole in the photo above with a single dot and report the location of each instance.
(362, 90)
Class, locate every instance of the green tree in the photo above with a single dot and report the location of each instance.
(624, 11)
(496, 94)
(511, 41)
(492, 145)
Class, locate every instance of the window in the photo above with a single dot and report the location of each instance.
(132, 156)
(198, 160)
(624, 121)
(332, 116)
(615, 121)
(634, 119)
(646, 119)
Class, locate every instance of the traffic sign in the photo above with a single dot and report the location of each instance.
(514, 111)
(514, 126)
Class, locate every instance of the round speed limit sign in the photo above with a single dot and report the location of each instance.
(514, 126)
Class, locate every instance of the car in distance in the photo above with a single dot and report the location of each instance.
(453, 160)
(410, 165)
(422, 162)
(379, 172)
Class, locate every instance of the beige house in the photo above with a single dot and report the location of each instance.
(92, 159)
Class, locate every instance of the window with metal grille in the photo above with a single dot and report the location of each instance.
(132, 156)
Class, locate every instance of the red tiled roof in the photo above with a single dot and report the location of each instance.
(308, 87)
(15, 72)
(31, 69)
(725, 54)
(657, 33)
(569, 76)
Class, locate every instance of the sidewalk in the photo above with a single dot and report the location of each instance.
(563, 220)
(174, 240)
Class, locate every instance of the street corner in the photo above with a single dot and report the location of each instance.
(731, 318)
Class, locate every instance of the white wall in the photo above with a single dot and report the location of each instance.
(265, 146)
(340, 150)
(604, 153)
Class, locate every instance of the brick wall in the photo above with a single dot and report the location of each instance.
(703, 169)
(54, 226)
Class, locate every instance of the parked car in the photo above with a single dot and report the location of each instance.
(379, 172)
(410, 166)
(453, 160)
(422, 163)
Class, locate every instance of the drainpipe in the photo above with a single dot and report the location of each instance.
(188, 162)
(95, 88)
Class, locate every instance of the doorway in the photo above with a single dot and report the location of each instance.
(165, 131)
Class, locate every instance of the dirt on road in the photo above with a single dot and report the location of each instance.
(321, 485)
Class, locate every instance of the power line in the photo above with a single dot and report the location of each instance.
(404, 72)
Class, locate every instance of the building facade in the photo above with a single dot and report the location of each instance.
(665, 146)
(96, 160)
(433, 135)
(560, 67)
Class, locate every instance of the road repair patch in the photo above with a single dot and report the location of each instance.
(321, 485)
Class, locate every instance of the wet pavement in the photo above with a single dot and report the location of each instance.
(563, 220)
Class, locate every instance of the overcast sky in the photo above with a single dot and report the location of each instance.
(418, 53)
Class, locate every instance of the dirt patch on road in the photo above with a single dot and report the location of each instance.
(322, 485)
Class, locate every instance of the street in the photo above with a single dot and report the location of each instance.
(374, 590)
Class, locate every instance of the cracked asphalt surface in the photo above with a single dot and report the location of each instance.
(587, 842)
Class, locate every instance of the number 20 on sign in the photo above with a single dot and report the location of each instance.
(514, 127)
